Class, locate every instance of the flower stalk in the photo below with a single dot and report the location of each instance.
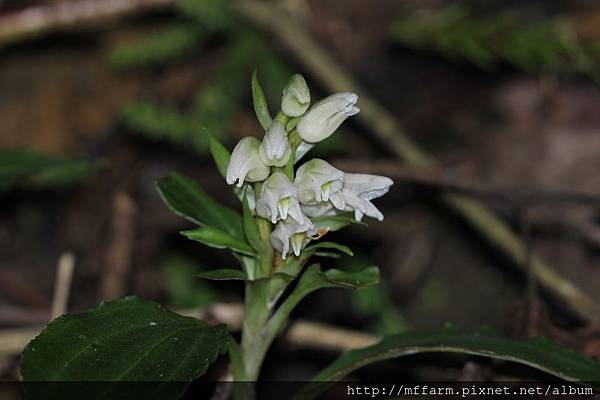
(285, 200)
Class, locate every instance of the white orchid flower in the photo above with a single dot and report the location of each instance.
(289, 233)
(360, 189)
(278, 199)
(318, 181)
(296, 97)
(245, 164)
(275, 148)
(326, 116)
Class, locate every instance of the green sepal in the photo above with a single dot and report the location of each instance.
(220, 155)
(259, 100)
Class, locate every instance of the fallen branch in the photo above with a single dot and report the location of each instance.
(300, 333)
(62, 286)
(437, 178)
(113, 282)
(387, 130)
(37, 20)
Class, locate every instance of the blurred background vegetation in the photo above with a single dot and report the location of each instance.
(503, 94)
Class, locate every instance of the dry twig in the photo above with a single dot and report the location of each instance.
(38, 20)
(438, 178)
(113, 283)
(62, 286)
(300, 333)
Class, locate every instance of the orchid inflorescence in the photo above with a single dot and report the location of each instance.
(288, 198)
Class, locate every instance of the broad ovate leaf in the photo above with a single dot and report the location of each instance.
(115, 346)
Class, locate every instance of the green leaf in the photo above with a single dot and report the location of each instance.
(261, 108)
(218, 239)
(354, 280)
(220, 154)
(169, 44)
(117, 344)
(223, 275)
(538, 353)
(28, 168)
(335, 222)
(213, 15)
(186, 199)
(329, 245)
(251, 227)
(166, 124)
(182, 290)
(314, 279)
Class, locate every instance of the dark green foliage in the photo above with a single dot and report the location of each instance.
(30, 169)
(457, 32)
(162, 123)
(189, 201)
(117, 344)
(375, 303)
(213, 15)
(183, 290)
(538, 353)
(220, 98)
(167, 45)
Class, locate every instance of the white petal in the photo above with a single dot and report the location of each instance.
(276, 196)
(317, 180)
(288, 233)
(275, 148)
(245, 164)
(323, 209)
(337, 199)
(367, 186)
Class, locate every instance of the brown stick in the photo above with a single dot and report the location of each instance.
(300, 333)
(113, 283)
(437, 178)
(387, 130)
(62, 286)
(38, 20)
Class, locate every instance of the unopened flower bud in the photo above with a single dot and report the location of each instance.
(326, 116)
(275, 148)
(296, 97)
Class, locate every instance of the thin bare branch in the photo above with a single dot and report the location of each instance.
(300, 333)
(113, 283)
(37, 20)
(62, 286)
